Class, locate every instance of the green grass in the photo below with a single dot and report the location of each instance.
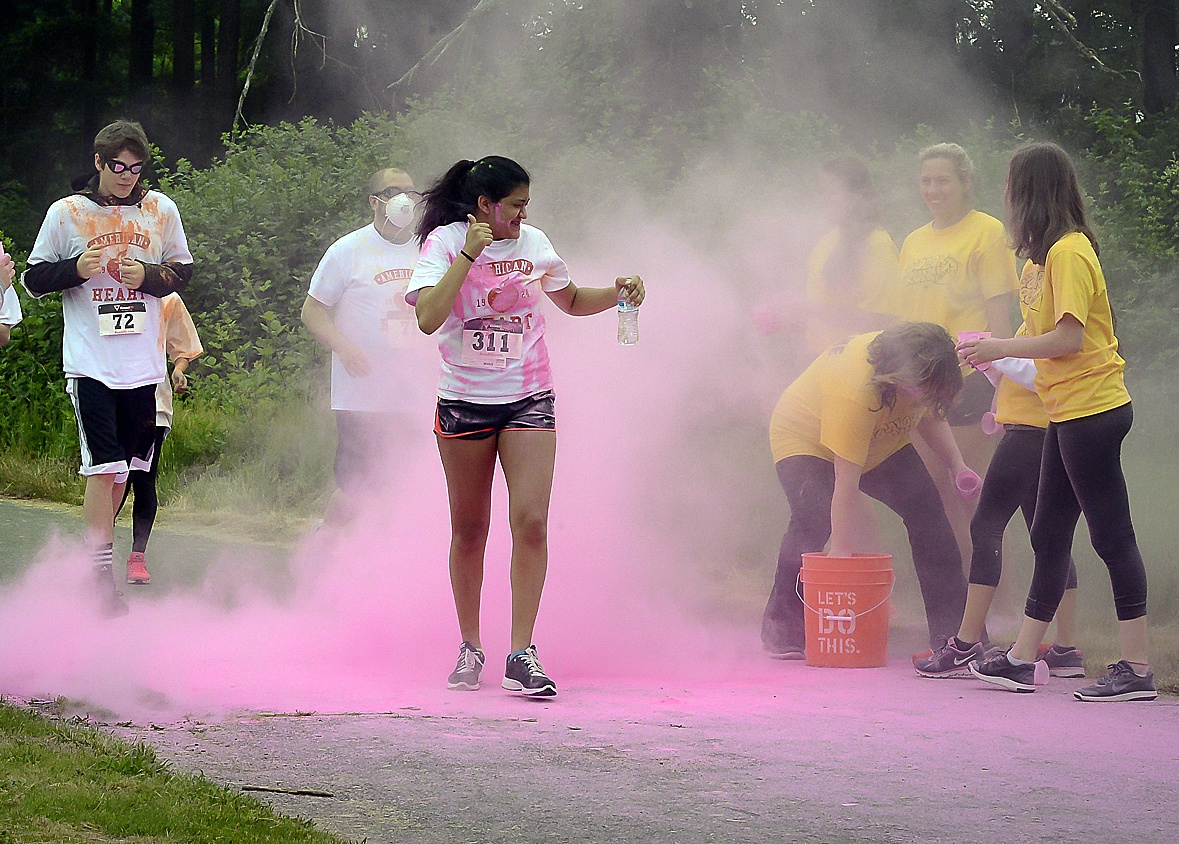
(63, 782)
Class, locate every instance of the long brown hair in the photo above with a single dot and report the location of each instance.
(1044, 201)
(920, 354)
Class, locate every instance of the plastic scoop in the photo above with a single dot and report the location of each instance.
(967, 336)
(968, 484)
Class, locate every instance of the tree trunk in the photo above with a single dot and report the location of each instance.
(90, 93)
(183, 46)
(141, 57)
(1155, 22)
(208, 28)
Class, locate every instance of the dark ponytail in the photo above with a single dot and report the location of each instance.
(456, 194)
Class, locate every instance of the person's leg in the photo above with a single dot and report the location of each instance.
(1091, 451)
(527, 458)
(469, 466)
(903, 485)
(809, 483)
(1010, 480)
(146, 505)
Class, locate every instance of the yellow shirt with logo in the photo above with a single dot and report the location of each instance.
(835, 313)
(1014, 403)
(832, 410)
(947, 275)
(1089, 381)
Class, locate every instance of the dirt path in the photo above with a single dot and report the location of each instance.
(697, 745)
(796, 754)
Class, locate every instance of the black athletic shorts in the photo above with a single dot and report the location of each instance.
(976, 398)
(470, 421)
(116, 428)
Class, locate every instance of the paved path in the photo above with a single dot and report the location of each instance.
(708, 741)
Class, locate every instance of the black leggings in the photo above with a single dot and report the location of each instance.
(1011, 484)
(1081, 472)
(143, 510)
(902, 484)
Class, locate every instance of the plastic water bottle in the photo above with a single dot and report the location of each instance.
(628, 323)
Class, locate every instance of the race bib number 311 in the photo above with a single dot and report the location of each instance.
(122, 318)
(491, 343)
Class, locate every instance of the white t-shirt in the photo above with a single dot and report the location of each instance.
(492, 342)
(112, 333)
(10, 312)
(362, 278)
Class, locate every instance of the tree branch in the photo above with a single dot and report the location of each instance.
(1063, 20)
(438, 49)
(241, 101)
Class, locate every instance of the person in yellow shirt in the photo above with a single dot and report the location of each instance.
(958, 271)
(841, 431)
(852, 270)
(1011, 481)
(1080, 380)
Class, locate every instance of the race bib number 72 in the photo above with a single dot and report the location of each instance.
(491, 343)
(122, 318)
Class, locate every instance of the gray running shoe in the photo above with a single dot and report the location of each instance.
(524, 674)
(1064, 663)
(1016, 678)
(110, 599)
(950, 661)
(1121, 683)
(468, 671)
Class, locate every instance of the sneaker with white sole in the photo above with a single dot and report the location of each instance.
(468, 671)
(1063, 662)
(1000, 671)
(525, 674)
(952, 660)
(1121, 683)
(137, 569)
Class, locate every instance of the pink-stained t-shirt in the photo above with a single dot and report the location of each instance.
(492, 342)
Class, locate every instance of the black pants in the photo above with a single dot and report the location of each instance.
(1011, 484)
(1081, 472)
(143, 510)
(902, 484)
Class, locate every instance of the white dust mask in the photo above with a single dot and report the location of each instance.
(400, 209)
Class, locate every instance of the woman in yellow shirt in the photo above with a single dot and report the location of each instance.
(1080, 380)
(842, 430)
(1011, 482)
(958, 271)
(852, 271)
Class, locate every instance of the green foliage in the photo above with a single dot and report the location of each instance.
(65, 782)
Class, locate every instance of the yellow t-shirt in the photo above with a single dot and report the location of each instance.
(1089, 381)
(1014, 403)
(947, 275)
(832, 410)
(833, 313)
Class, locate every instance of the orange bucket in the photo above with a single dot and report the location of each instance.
(846, 600)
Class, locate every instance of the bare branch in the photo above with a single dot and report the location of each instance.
(438, 49)
(241, 101)
(1063, 20)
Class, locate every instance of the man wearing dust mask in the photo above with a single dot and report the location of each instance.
(356, 307)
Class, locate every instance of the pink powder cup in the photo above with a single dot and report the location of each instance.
(964, 336)
(989, 425)
(968, 483)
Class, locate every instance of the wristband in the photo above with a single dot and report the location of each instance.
(463, 252)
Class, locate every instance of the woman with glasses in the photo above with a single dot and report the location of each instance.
(478, 284)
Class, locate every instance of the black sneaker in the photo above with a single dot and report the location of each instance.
(951, 661)
(1121, 683)
(524, 674)
(781, 640)
(110, 599)
(1016, 678)
(1064, 663)
(468, 671)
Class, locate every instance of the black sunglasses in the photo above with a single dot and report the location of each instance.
(116, 166)
(390, 192)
